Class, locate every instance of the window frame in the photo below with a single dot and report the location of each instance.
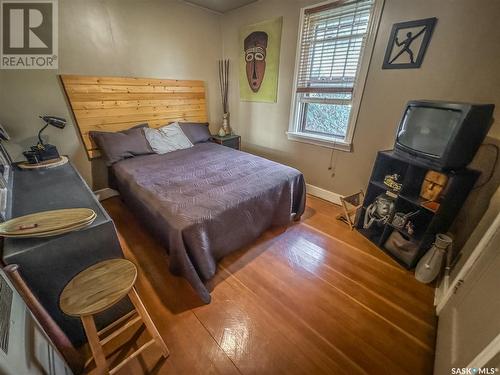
(294, 132)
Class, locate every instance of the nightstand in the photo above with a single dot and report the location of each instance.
(233, 141)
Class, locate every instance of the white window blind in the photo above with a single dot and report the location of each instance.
(330, 71)
(333, 37)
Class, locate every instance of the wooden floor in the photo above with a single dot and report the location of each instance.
(313, 298)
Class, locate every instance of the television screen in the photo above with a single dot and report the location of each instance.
(428, 130)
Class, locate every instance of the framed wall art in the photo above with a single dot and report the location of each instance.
(259, 60)
(407, 44)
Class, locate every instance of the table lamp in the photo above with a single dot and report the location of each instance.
(42, 151)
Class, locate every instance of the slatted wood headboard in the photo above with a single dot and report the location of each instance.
(118, 103)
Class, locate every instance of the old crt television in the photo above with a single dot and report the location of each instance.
(442, 135)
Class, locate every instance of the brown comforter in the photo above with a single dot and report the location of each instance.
(206, 201)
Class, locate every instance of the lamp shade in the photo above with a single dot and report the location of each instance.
(57, 122)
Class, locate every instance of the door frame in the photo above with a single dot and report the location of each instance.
(487, 354)
(449, 290)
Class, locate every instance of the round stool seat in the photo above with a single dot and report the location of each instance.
(98, 287)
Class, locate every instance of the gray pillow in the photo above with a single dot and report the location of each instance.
(168, 138)
(197, 132)
(116, 146)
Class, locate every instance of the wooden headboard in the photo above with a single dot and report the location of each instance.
(118, 103)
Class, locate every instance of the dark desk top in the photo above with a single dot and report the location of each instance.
(35, 190)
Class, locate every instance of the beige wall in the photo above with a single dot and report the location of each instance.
(154, 38)
(169, 39)
(461, 64)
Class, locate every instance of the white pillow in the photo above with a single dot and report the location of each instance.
(167, 138)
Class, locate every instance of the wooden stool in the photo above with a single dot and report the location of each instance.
(96, 289)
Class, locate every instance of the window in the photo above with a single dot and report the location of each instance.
(329, 71)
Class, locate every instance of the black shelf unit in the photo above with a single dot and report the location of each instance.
(427, 223)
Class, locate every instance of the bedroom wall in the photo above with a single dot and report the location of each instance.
(153, 38)
(169, 39)
(461, 64)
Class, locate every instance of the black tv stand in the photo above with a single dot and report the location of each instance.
(426, 223)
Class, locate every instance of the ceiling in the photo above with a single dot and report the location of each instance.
(220, 6)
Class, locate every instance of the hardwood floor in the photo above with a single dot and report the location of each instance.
(313, 298)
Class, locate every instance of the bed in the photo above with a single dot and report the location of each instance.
(206, 201)
(202, 202)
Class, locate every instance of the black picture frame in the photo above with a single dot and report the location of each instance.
(427, 27)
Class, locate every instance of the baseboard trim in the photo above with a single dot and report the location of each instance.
(105, 193)
(327, 195)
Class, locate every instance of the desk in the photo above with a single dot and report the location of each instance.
(48, 264)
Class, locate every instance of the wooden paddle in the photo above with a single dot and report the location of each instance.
(46, 222)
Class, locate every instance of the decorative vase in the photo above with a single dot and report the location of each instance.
(221, 132)
(429, 267)
(225, 123)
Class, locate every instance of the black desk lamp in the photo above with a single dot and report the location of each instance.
(57, 122)
(42, 152)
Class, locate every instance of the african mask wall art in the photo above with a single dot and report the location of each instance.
(255, 57)
(259, 60)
